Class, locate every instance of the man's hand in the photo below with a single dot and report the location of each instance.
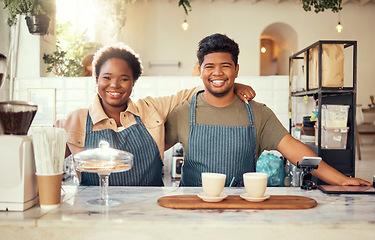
(355, 182)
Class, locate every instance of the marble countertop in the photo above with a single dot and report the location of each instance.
(140, 217)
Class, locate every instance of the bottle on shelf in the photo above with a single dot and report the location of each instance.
(297, 131)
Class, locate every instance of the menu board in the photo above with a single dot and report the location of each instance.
(45, 98)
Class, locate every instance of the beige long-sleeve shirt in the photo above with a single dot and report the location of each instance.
(152, 111)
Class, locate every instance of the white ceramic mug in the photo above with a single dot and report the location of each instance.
(213, 183)
(255, 184)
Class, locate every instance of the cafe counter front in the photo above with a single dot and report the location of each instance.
(139, 216)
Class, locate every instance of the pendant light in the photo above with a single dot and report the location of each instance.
(185, 25)
(339, 26)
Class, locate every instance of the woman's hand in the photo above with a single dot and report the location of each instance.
(244, 92)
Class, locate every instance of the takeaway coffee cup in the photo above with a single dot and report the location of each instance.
(255, 184)
(49, 188)
(213, 184)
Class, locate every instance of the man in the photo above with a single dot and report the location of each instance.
(221, 134)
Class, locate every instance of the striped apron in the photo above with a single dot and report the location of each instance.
(147, 163)
(220, 149)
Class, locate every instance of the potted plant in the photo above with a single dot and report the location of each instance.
(71, 48)
(37, 13)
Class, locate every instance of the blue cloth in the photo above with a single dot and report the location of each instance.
(220, 149)
(274, 167)
(147, 163)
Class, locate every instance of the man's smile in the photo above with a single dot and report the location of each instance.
(218, 82)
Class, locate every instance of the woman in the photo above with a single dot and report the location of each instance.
(135, 127)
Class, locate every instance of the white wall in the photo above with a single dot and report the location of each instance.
(4, 30)
(31, 49)
(153, 29)
(4, 49)
(24, 51)
(73, 93)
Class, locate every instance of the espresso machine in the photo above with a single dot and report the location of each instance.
(177, 161)
(18, 186)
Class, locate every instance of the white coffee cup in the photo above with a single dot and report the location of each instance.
(213, 184)
(255, 184)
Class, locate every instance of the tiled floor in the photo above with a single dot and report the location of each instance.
(365, 168)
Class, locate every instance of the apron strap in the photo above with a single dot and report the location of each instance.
(192, 108)
(88, 122)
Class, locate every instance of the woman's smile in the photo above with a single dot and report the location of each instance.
(114, 94)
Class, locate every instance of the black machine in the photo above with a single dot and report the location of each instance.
(177, 161)
(308, 164)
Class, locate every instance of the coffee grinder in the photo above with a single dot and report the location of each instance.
(18, 186)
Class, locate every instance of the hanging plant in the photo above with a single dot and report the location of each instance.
(116, 9)
(321, 5)
(318, 5)
(186, 5)
(115, 12)
(27, 7)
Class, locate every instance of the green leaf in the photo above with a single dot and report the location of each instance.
(322, 5)
(71, 48)
(186, 5)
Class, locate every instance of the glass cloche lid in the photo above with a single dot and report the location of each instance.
(103, 161)
(104, 152)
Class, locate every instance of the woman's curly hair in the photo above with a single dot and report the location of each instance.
(121, 51)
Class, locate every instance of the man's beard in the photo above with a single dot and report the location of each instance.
(219, 94)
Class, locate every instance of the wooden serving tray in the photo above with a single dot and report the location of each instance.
(236, 202)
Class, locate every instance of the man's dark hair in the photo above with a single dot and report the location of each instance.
(217, 43)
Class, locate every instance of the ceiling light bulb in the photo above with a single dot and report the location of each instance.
(185, 25)
(263, 49)
(339, 28)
